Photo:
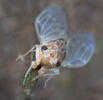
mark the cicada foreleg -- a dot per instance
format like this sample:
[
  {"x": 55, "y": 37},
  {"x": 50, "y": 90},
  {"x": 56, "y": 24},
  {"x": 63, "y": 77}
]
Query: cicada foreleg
[{"x": 21, "y": 57}]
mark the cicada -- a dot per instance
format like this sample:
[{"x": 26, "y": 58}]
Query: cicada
[{"x": 57, "y": 49}]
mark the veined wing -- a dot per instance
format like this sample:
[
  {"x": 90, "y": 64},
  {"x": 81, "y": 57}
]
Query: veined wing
[
  {"x": 79, "y": 48},
  {"x": 51, "y": 24}
]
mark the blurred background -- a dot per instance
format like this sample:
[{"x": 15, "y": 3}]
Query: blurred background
[{"x": 17, "y": 35}]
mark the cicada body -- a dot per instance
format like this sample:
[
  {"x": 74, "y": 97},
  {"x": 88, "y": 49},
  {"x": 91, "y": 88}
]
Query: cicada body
[{"x": 56, "y": 48}]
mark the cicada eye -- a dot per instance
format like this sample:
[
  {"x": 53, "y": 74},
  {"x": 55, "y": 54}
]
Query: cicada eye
[
  {"x": 44, "y": 47},
  {"x": 58, "y": 63}
]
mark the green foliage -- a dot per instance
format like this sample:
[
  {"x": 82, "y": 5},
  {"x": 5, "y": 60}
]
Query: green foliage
[
  {"x": 32, "y": 55},
  {"x": 28, "y": 79}
]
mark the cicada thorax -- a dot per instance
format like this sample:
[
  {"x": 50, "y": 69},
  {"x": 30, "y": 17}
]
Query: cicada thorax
[{"x": 53, "y": 52}]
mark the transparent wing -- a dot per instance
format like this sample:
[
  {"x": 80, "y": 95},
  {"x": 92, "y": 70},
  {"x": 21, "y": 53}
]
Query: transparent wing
[
  {"x": 80, "y": 48},
  {"x": 51, "y": 24}
]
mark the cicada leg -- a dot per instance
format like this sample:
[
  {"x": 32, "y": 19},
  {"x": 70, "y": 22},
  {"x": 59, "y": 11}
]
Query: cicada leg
[
  {"x": 55, "y": 72},
  {"x": 21, "y": 57},
  {"x": 43, "y": 72}
]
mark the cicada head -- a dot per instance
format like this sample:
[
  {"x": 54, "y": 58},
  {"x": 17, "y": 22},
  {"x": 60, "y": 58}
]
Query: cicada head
[{"x": 51, "y": 53}]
